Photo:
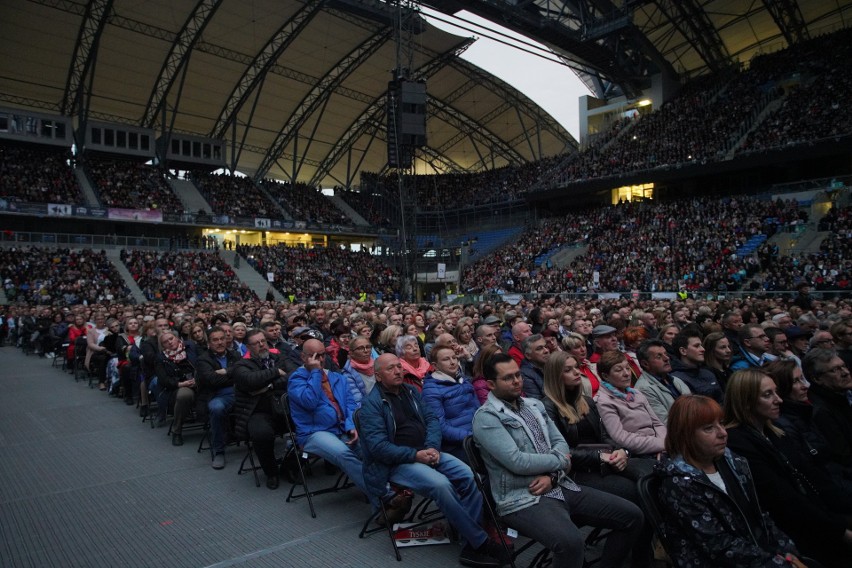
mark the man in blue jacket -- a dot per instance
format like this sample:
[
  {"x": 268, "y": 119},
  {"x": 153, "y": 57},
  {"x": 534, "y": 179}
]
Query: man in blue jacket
[
  {"x": 402, "y": 442},
  {"x": 322, "y": 410}
]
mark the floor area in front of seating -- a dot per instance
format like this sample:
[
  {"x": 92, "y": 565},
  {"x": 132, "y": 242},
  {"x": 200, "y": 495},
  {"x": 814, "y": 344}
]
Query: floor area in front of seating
[{"x": 84, "y": 483}]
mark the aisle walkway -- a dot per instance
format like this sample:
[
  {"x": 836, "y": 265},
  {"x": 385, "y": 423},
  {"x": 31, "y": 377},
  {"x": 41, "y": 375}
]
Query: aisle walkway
[{"x": 84, "y": 483}]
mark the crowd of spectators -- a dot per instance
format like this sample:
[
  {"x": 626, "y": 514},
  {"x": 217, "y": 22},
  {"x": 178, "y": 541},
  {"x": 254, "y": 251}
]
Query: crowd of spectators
[
  {"x": 442, "y": 191},
  {"x": 816, "y": 107},
  {"x": 305, "y": 203},
  {"x": 234, "y": 196},
  {"x": 371, "y": 206},
  {"x": 185, "y": 276},
  {"x": 38, "y": 174},
  {"x": 323, "y": 273},
  {"x": 702, "y": 124},
  {"x": 131, "y": 185},
  {"x": 60, "y": 277},
  {"x": 687, "y": 244}
]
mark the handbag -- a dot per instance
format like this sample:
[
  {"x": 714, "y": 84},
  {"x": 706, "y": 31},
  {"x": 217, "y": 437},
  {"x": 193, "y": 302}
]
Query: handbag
[{"x": 279, "y": 404}]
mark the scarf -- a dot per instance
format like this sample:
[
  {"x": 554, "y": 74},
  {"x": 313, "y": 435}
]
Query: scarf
[
  {"x": 363, "y": 368},
  {"x": 176, "y": 355},
  {"x": 629, "y": 396},
  {"x": 419, "y": 371}
]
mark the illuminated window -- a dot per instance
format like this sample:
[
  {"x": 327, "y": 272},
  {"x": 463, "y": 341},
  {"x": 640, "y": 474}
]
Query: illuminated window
[{"x": 633, "y": 193}]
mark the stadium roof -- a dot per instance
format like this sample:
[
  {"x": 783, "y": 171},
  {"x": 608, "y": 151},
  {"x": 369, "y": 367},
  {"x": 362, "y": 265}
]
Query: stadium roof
[
  {"x": 616, "y": 45},
  {"x": 300, "y": 82},
  {"x": 298, "y": 88}
]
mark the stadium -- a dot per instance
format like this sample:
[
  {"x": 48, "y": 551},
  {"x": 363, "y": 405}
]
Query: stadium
[{"x": 218, "y": 162}]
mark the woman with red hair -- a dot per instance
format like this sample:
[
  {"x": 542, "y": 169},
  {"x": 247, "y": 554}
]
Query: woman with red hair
[{"x": 707, "y": 499}]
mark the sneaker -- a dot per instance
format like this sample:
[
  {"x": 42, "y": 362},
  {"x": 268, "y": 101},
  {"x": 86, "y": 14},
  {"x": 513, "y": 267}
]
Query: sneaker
[
  {"x": 177, "y": 440},
  {"x": 218, "y": 461},
  {"x": 272, "y": 482},
  {"x": 479, "y": 557}
]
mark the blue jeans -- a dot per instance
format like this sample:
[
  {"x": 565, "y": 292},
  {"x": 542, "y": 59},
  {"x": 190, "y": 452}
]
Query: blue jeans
[
  {"x": 333, "y": 448},
  {"x": 219, "y": 407},
  {"x": 451, "y": 485}
]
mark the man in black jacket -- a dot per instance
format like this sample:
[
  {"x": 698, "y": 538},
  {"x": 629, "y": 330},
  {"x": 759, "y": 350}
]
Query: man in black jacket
[
  {"x": 216, "y": 389},
  {"x": 257, "y": 380}
]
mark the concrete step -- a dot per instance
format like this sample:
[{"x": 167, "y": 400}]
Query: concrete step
[
  {"x": 566, "y": 256},
  {"x": 88, "y": 192},
  {"x": 192, "y": 200},
  {"x": 248, "y": 275},
  {"x": 349, "y": 211},
  {"x": 114, "y": 255}
]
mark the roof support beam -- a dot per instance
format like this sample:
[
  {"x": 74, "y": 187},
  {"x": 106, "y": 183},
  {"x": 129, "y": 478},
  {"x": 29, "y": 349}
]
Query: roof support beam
[
  {"x": 322, "y": 90},
  {"x": 85, "y": 51},
  {"x": 692, "y": 22},
  {"x": 262, "y": 63},
  {"x": 178, "y": 57},
  {"x": 469, "y": 127},
  {"x": 516, "y": 98},
  {"x": 375, "y": 112},
  {"x": 788, "y": 17}
]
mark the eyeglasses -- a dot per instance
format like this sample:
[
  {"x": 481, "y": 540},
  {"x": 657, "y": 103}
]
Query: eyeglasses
[
  {"x": 761, "y": 336},
  {"x": 824, "y": 341},
  {"x": 362, "y": 348},
  {"x": 258, "y": 342},
  {"x": 511, "y": 378}
]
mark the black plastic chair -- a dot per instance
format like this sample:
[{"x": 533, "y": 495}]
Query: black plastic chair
[
  {"x": 420, "y": 515},
  {"x": 305, "y": 462}
]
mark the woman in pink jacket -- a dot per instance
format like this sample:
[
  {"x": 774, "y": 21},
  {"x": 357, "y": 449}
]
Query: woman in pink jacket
[{"x": 624, "y": 411}]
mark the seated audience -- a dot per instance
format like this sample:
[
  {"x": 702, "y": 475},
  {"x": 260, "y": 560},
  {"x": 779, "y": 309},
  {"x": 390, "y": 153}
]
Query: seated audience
[{"x": 711, "y": 514}]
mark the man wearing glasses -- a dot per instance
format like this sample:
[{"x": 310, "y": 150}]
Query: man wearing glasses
[
  {"x": 257, "y": 380},
  {"x": 842, "y": 333},
  {"x": 831, "y": 395},
  {"x": 753, "y": 346}
]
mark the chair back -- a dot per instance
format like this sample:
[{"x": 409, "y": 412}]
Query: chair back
[{"x": 649, "y": 493}]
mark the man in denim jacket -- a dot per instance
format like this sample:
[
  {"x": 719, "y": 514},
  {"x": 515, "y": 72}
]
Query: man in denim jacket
[
  {"x": 528, "y": 460},
  {"x": 401, "y": 441}
]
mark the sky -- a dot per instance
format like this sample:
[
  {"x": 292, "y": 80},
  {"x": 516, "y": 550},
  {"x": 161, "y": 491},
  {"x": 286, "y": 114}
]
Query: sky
[{"x": 552, "y": 86}]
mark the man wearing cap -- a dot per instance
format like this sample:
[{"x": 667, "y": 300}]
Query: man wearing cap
[
  {"x": 797, "y": 338},
  {"x": 536, "y": 355},
  {"x": 604, "y": 338}
]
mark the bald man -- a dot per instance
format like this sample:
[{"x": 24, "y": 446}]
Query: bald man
[
  {"x": 322, "y": 410},
  {"x": 402, "y": 441},
  {"x": 520, "y": 331}
]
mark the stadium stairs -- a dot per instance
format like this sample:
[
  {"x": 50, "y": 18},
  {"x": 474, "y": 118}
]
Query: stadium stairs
[
  {"x": 349, "y": 211},
  {"x": 192, "y": 200},
  {"x": 767, "y": 110},
  {"x": 807, "y": 242},
  {"x": 88, "y": 192},
  {"x": 281, "y": 209},
  {"x": 568, "y": 254},
  {"x": 248, "y": 275},
  {"x": 114, "y": 256},
  {"x": 751, "y": 245}
]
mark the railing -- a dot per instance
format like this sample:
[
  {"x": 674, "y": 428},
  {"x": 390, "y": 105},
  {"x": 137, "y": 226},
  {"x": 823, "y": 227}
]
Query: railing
[
  {"x": 514, "y": 298},
  {"x": 59, "y": 211}
]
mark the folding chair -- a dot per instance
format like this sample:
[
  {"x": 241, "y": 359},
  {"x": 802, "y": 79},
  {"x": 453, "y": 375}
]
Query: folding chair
[
  {"x": 59, "y": 357},
  {"x": 419, "y": 516},
  {"x": 305, "y": 461},
  {"x": 249, "y": 457}
]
